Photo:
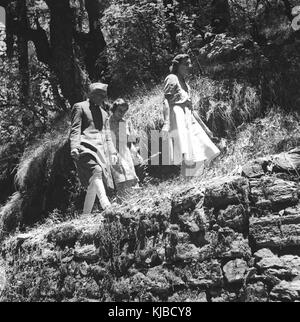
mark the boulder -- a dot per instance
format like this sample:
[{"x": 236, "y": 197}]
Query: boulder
[
  {"x": 187, "y": 296},
  {"x": 235, "y": 217},
  {"x": 291, "y": 211},
  {"x": 270, "y": 262},
  {"x": 277, "y": 267},
  {"x": 195, "y": 224},
  {"x": 230, "y": 245},
  {"x": 285, "y": 273},
  {"x": 222, "y": 192},
  {"x": 287, "y": 161},
  {"x": 235, "y": 270},
  {"x": 286, "y": 291},
  {"x": 87, "y": 253},
  {"x": 201, "y": 298},
  {"x": 257, "y": 292},
  {"x": 185, "y": 200},
  {"x": 275, "y": 231},
  {"x": 206, "y": 275},
  {"x": 263, "y": 253},
  {"x": 292, "y": 262},
  {"x": 157, "y": 281},
  {"x": 187, "y": 252},
  {"x": 272, "y": 193},
  {"x": 225, "y": 297},
  {"x": 159, "y": 272},
  {"x": 255, "y": 168}
]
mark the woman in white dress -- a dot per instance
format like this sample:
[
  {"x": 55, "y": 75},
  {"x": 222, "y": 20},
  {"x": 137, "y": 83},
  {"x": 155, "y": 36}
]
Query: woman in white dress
[{"x": 189, "y": 143}]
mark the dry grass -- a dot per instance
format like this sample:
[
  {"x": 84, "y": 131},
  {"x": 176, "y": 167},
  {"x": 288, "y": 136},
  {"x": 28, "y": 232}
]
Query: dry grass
[
  {"x": 276, "y": 132},
  {"x": 37, "y": 155},
  {"x": 10, "y": 214},
  {"x": 223, "y": 106},
  {"x": 34, "y": 173},
  {"x": 146, "y": 109}
]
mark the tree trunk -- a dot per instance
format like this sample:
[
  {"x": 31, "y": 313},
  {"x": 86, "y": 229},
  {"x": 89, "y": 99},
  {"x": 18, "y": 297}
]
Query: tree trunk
[
  {"x": 22, "y": 45},
  {"x": 71, "y": 77},
  {"x": 58, "y": 54},
  {"x": 171, "y": 25},
  {"x": 220, "y": 19},
  {"x": 96, "y": 42}
]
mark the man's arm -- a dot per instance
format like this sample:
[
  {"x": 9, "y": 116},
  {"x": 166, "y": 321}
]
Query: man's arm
[{"x": 75, "y": 134}]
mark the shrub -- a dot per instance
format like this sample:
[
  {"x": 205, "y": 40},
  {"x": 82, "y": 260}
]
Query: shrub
[{"x": 137, "y": 43}]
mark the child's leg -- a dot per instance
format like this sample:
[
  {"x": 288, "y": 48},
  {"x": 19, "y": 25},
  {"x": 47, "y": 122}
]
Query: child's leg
[
  {"x": 120, "y": 192},
  {"x": 89, "y": 199},
  {"x": 101, "y": 193}
]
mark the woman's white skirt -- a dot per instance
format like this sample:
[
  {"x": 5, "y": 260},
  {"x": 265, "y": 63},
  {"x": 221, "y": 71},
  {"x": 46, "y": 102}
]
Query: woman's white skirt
[{"x": 188, "y": 137}]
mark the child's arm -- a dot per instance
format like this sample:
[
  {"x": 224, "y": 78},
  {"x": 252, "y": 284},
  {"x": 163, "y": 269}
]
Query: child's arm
[
  {"x": 132, "y": 137},
  {"x": 133, "y": 144},
  {"x": 166, "y": 114}
]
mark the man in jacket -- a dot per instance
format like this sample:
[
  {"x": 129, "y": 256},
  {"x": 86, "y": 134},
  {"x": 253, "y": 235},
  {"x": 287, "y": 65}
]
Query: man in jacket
[{"x": 92, "y": 147}]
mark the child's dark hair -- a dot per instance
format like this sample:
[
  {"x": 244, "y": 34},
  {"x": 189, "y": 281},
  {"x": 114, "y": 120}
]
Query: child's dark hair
[
  {"x": 118, "y": 102},
  {"x": 177, "y": 60}
]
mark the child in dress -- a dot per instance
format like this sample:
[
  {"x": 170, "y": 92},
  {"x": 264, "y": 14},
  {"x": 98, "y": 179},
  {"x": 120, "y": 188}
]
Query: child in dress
[{"x": 124, "y": 137}]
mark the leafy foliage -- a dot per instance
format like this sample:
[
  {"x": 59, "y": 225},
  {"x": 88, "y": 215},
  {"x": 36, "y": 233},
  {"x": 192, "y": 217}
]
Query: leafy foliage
[{"x": 137, "y": 42}]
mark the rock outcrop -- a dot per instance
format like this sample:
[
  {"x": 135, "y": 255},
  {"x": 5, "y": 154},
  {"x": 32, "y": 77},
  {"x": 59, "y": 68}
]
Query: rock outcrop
[{"x": 230, "y": 239}]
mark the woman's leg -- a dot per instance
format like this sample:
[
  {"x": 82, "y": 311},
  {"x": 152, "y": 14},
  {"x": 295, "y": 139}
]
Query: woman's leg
[
  {"x": 180, "y": 137},
  {"x": 189, "y": 171}
]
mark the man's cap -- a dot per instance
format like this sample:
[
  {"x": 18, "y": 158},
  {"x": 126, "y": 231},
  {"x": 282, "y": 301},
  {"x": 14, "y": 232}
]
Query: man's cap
[
  {"x": 98, "y": 87},
  {"x": 180, "y": 58}
]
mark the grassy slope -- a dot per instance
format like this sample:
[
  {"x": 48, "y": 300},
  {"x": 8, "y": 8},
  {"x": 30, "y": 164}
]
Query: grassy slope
[
  {"x": 276, "y": 132},
  {"x": 271, "y": 134}
]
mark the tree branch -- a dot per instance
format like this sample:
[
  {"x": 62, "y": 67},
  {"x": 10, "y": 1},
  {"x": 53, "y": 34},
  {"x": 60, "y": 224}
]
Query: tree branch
[
  {"x": 41, "y": 43},
  {"x": 93, "y": 43},
  {"x": 288, "y": 9},
  {"x": 4, "y": 3}
]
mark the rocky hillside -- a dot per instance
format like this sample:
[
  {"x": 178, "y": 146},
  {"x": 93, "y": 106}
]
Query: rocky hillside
[{"x": 234, "y": 238}]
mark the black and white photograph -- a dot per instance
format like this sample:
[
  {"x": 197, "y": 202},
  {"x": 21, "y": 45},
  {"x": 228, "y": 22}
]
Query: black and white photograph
[{"x": 150, "y": 154}]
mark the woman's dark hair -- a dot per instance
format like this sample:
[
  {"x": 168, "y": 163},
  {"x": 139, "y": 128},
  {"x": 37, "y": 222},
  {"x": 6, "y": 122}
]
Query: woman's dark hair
[
  {"x": 118, "y": 102},
  {"x": 177, "y": 60}
]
